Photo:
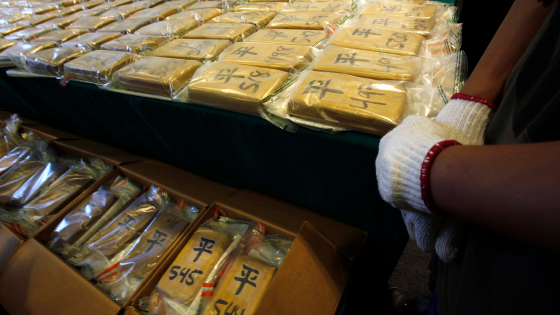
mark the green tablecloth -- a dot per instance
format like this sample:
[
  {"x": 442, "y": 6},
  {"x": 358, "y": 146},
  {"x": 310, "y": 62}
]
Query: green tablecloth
[{"x": 330, "y": 174}]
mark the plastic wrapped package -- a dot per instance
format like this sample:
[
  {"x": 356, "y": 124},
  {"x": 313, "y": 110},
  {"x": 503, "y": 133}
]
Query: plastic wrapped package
[
  {"x": 7, "y": 29},
  {"x": 68, "y": 11},
  {"x": 16, "y": 52},
  {"x": 118, "y": 3},
  {"x": 91, "y": 41},
  {"x": 178, "y": 4},
  {"x": 92, "y": 4},
  {"x": 98, "y": 66},
  {"x": 192, "y": 49},
  {"x": 262, "y": 6},
  {"x": 308, "y": 21},
  {"x": 288, "y": 58},
  {"x": 258, "y": 18},
  {"x": 449, "y": 72},
  {"x": 68, "y": 3},
  {"x": 91, "y": 23},
  {"x": 29, "y": 34},
  {"x": 289, "y": 37},
  {"x": 36, "y": 183},
  {"x": 123, "y": 12},
  {"x": 391, "y": 8},
  {"x": 234, "y": 87},
  {"x": 14, "y": 18},
  {"x": 231, "y": 31},
  {"x": 40, "y": 9},
  {"x": 149, "y": 3},
  {"x": 147, "y": 251},
  {"x": 201, "y": 259},
  {"x": 208, "y": 5},
  {"x": 16, "y": 155},
  {"x": 60, "y": 36},
  {"x": 36, "y": 19},
  {"x": 322, "y": 7},
  {"x": 155, "y": 14},
  {"x": 87, "y": 218},
  {"x": 51, "y": 61},
  {"x": 59, "y": 22},
  {"x": 6, "y": 43},
  {"x": 203, "y": 15},
  {"x": 108, "y": 246},
  {"x": 135, "y": 43},
  {"x": 420, "y": 27},
  {"x": 169, "y": 29},
  {"x": 91, "y": 12},
  {"x": 128, "y": 26}
]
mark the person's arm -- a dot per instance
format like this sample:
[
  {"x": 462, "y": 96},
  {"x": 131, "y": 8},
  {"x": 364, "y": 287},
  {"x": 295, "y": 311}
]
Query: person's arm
[{"x": 511, "y": 189}]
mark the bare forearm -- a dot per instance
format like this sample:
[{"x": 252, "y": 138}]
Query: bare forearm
[
  {"x": 511, "y": 189},
  {"x": 506, "y": 48}
]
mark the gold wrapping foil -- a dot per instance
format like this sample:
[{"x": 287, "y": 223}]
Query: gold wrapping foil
[
  {"x": 149, "y": 3},
  {"x": 234, "y": 87},
  {"x": 288, "y": 37},
  {"x": 289, "y": 58},
  {"x": 91, "y": 40},
  {"x": 206, "y": 5},
  {"x": 154, "y": 13},
  {"x": 92, "y": 4},
  {"x": 135, "y": 43},
  {"x": 421, "y": 11},
  {"x": 231, "y": 31},
  {"x": 204, "y": 15},
  {"x": 178, "y": 4},
  {"x": 29, "y": 34},
  {"x": 367, "y": 64},
  {"x": 157, "y": 75},
  {"x": 91, "y": 12},
  {"x": 68, "y": 11},
  {"x": 259, "y": 18},
  {"x": 37, "y": 19},
  {"x": 118, "y": 3},
  {"x": 24, "y": 49},
  {"x": 59, "y": 22},
  {"x": 97, "y": 66},
  {"x": 243, "y": 286},
  {"x": 42, "y": 9},
  {"x": 123, "y": 12},
  {"x": 92, "y": 23},
  {"x": 127, "y": 26},
  {"x": 10, "y": 28},
  {"x": 333, "y": 7},
  {"x": 172, "y": 28},
  {"x": 14, "y": 18},
  {"x": 51, "y": 61},
  {"x": 184, "y": 277},
  {"x": 6, "y": 43},
  {"x": 308, "y": 21},
  {"x": 375, "y": 39},
  {"x": 347, "y": 101},
  {"x": 60, "y": 36},
  {"x": 420, "y": 27},
  {"x": 192, "y": 49},
  {"x": 262, "y": 6}
]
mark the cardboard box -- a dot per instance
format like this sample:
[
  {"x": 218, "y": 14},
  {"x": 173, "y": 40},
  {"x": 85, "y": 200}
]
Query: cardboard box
[
  {"x": 314, "y": 274},
  {"x": 180, "y": 184},
  {"x": 9, "y": 244},
  {"x": 49, "y": 133}
]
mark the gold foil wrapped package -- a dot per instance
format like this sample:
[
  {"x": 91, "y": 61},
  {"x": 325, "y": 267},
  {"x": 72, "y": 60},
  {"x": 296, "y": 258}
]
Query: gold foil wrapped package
[
  {"x": 309, "y": 21},
  {"x": 118, "y": 3},
  {"x": 171, "y": 29},
  {"x": 91, "y": 23},
  {"x": 51, "y": 61},
  {"x": 288, "y": 37},
  {"x": 178, "y": 4},
  {"x": 231, "y": 31},
  {"x": 14, "y": 18},
  {"x": 60, "y": 22},
  {"x": 68, "y": 3},
  {"x": 17, "y": 175},
  {"x": 206, "y": 5},
  {"x": 68, "y": 11},
  {"x": 36, "y": 183},
  {"x": 98, "y": 66},
  {"x": 154, "y": 13},
  {"x": 135, "y": 43},
  {"x": 91, "y": 40},
  {"x": 203, "y": 15},
  {"x": 420, "y": 27},
  {"x": 157, "y": 75},
  {"x": 261, "y": 6},
  {"x": 91, "y": 12},
  {"x": 234, "y": 87},
  {"x": 123, "y": 12},
  {"x": 29, "y": 34},
  {"x": 192, "y": 49},
  {"x": 375, "y": 39},
  {"x": 322, "y": 7},
  {"x": 16, "y": 52},
  {"x": 149, "y": 3},
  {"x": 60, "y": 36},
  {"x": 128, "y": 26},
  {"x": 39, "y": 9},
  {"x": 6, "y": 43},
  {"x": 349, "y": 102},
  {"x": 288, "y": 58},
  {"x": 7, "y": 29},
  {"x": 420, "y": 11},
  {"x": 368, "y": 64},
  {"x": 92, "y": 4},
  {"x": 259, "y": 18},
  {"x": 36, "y": 19}
]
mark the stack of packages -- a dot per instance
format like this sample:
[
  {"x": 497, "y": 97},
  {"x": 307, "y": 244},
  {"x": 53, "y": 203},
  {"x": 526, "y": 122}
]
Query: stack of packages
[
  {"x": 35, "y": 184},
  {"x": 116, "y": 239},
  {"x": 225, "y": 268}
]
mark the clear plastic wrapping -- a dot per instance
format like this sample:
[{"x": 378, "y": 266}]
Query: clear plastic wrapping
[
  {"x": 68, "y": 11},
  {"x": 420, "y": 27},
  {"x": 6, "y": 43},
  {"x": 202, "y": 15},
  {"x": 29, "y": 34},
  {"x": 16, "y": 52},
  {"x": 155, "y": 14},
  {"x": 14, "y": 18},
  {"x": 60, "y": 36},
  {"x": 289, "y": 37},
  {"x": 258, "y": 18},
  {"x": 98, "y": 66},
  {"x": 170, "y": 29},
  {"x": 128, "y": 26},
  {"x": 123, "y": 12},
  {"x": 449, "y": 72},
  {"x": 40, "y": 9},
  {"x": 91, "y": 23},
  {"x": 7, "y": 29},
  {"x": 36, "y": 19},
  {"x": 178, "y": 4},
  {"x": 393, "y": 8},
  {"x": 149, "y": 3},
  {"x": 15, "y": 155},
  {"x": 322, "y": 7},
  {"x": 51, "y": 61},
  {"x": 193, "y": 49},
  {"x": 90, "y": 41},
  {"x": 59, "y": 22},
  {"x": 308, "y": 21},
  {"x": 91, "y": 12},
  {"x": 261, "y": 6},
  {"x": 36, "y": 183},
  {"x": 231, "y": 31},
  {"x": 288, "y": 58},
  {"x": 118, "y": 3},
  {"x": 135, "y": 43},
  {"x": 234, "y": 87},
  {"x": 92, "y": 4},
  {"x": 207, "y": 5},
  {"x": 156, "y": 75}
]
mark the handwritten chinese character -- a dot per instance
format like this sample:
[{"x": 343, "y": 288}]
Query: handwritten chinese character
[
  {"x": 229, "y": 73},
  {"x": 156, "y": 240},
  {"x": 246, "y": 278},
  {"x": 322, "y": 87},
  {"x": 365, "y": 32},
  {"x": 350, "y": 59},
  {"x": 205, "y": 246},
  {"x": 242, "y": 51}
]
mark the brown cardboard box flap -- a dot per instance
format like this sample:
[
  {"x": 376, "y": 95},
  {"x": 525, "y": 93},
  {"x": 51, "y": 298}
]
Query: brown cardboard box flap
[
  {"x": 131, "y": 311},
  {"x": 201, "y": 191},
  {"x": 36, "y": 281},
  {"x": 50, "y": 133},
  {"x": 9, "y": 243},
  {"x": 288, "y": 219},
  {"x": 108, "y": 154},
  {"x": 311, "y": 280}
]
